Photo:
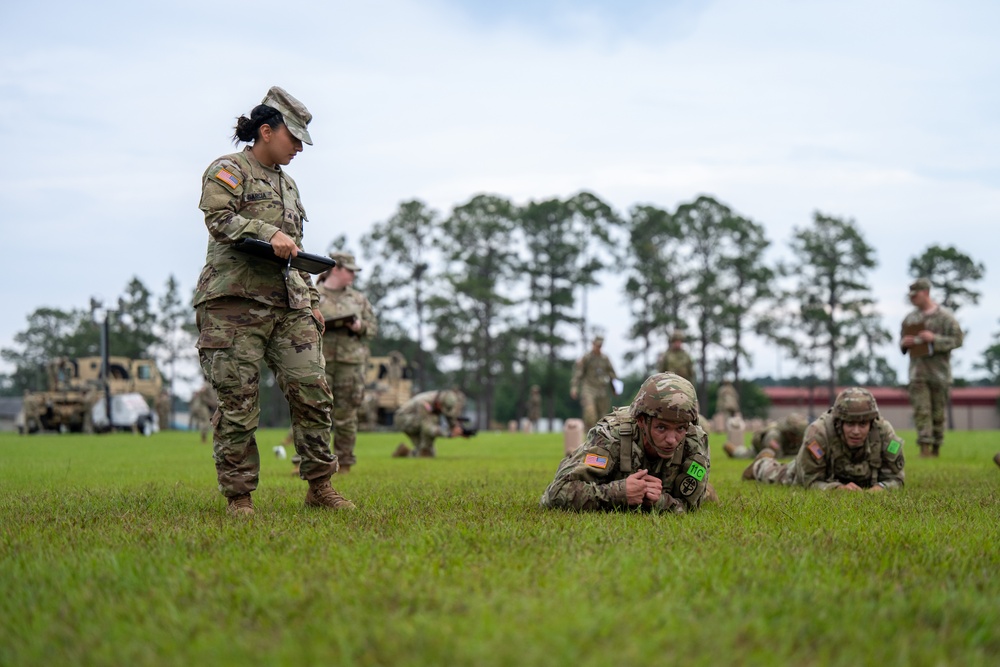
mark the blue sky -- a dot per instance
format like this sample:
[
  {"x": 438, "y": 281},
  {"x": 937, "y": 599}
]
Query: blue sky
[{"x": 881, "y": 112}]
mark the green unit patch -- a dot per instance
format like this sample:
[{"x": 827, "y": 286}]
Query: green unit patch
[
  {"x": 697, "y": 470},
  {"x": 894, "y": 447}
]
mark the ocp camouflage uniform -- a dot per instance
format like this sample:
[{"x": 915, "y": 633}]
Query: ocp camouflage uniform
[
  {"x": 727, "y": 400},
  {"x": 679, "y": 362},
  {"x": 824, "y": 461},
  {"x": 784, "y": 436},
  {"x": 248, "y": 312},
  {"x": 593, "y": 476},
  {"x": 592, "y": 375},
  {"x": 420, "y": 418},
  {"x": 930, "y": 376},
  {"x": 346, "y": 352}
]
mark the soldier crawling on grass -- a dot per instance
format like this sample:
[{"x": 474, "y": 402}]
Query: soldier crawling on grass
[
  {"x": 850, "y": 447},
  {"x": 650, "y": 454}
]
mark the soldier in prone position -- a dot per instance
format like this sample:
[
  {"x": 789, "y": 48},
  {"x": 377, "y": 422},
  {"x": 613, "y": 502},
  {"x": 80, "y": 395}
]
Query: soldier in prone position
[
  {"x": 783, "y": 437},
  {"x": 650, "y": 454},
  {"x": 850, "y": 447}
]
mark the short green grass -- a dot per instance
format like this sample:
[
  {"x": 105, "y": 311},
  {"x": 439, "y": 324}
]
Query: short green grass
[{"x": 115, "y": 550}]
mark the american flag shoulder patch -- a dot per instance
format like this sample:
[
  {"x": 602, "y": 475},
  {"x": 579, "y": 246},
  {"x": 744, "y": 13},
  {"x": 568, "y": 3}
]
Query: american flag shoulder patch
[
  {"x": 595, "y": 461},
  {"x": 815, "y": 450},
  {"x": 228, "y": 178}
]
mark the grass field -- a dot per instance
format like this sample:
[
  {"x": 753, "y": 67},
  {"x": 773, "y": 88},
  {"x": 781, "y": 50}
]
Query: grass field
[{"x": 115, "y": 550}]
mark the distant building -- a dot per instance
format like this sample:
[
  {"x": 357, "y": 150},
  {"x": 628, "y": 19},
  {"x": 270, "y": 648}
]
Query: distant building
[{"x": 973, "y": 408}]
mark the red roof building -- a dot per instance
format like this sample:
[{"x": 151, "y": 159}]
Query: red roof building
[{"x": 973, "y": 408}]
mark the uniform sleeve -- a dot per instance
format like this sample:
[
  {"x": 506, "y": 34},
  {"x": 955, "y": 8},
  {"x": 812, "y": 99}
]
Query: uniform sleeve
[
  {"x": 586, "y": 480},
  {"x": 890, "y": 474},
  {"x": 221, "y": 192},
  {"x": 689, "y": 486},
  {"x": 369, "y": 323},
  {"x": 811, "y": 468},
  {"x": 574, "y": 383},
  {"x": 950, "y": 337}
]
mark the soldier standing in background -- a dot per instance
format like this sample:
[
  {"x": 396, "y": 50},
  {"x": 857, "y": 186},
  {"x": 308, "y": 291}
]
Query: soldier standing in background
[
  {"x": 592, "y": 375},
  {"x": 850, "y": 447},
  {"x": 250, "y": 310},
  {"x": 650, "y": 454},
  {"x": 535, "y": 407},
  {"x": 929, "y": 334},
  {"x": 204, "y": 402},
  {"x": 676, "y": 359},
  {"x": 350, "y": 325}
]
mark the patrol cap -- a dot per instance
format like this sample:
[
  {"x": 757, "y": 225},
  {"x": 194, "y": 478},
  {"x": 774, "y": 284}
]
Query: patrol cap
[
  {"x": 598, "y": 340},
  {"x": 293, "y": 112},
  {"x": 920, "y": 285},
  {"x": 678, "y": 334},
  {"x": 345, "y": 259}
]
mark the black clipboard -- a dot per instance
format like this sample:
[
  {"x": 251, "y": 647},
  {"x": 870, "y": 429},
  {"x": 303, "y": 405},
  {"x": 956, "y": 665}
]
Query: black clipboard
[{"x": 304, "y": 261}]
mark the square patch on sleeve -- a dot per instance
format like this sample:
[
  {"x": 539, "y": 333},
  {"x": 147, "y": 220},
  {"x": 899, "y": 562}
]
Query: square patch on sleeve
[
  {"x": 815, "y": 450},
  {"x": 894, "y": 447},
  {"x": 595, "y": 461},
  {"x": 228, "y": 178}
]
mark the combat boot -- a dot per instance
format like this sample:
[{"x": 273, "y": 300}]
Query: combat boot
[
  {"x": 402, "y": 451},
  {"x": 426, "y": 453},
  {"x": 344, "y": 468},
  {"x": 925, "y": 451},
  {"x": 766, "y": 453},
  {"x": 730, "y": 449},
  {"x": 711, "y": 496},
  {"x": 321, "y": 494},
  {"x": 241, "y": 505},
  {"x": 996, "y": 458},
  {"x": 935, "y": 450}
]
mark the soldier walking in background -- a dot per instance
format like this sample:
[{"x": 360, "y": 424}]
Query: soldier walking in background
[
  {"x": 850, "y": 447},
  {"x": 650, "y": 454},
  {"x": 676, "y": 359},
  {"x": 249, "y": 310},
  {"x": 350, "y": 325},
  {"x": 420, "y": 419},
  {"x": 591, "y": 382},
  {"x": 929, "y": 334}
]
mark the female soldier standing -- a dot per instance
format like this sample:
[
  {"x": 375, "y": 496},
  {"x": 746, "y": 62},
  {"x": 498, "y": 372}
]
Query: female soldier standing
[{"x": 250, "y": 309}]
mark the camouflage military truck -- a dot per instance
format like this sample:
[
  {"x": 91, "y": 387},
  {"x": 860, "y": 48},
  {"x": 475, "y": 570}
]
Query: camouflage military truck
[
  {"x": 388, "y": 384},
  {"x": 75, "y": 386}
]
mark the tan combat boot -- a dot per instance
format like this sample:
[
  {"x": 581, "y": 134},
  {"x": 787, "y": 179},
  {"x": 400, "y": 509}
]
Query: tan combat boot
[
  {"x": 925, "y": 451},
  {"x": 936, "y": 450},
  {"x": 241, "y": 505},
  {"x": 344, "y": 468},
  {"x": 402, "y": 451},
  {"x": 321, "y": 494},
  {"x": 730, "y": 449}
]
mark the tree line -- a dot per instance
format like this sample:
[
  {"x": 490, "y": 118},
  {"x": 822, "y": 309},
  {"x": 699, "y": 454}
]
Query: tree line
[{"x": 492, "y": 298}]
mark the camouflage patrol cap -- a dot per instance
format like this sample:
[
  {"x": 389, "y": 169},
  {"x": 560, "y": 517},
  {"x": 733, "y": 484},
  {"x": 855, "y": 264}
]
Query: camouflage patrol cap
[
  {"x": 598, "y": 340},
  {"x": 345, "y": 259},
  {"x": 920, "y": 285},
  {"x": 293, "y": 112},
  {"x": 677, "y": 335},
  {"x": 667, "y": 396},
  {"x": 855, "y": 405}
]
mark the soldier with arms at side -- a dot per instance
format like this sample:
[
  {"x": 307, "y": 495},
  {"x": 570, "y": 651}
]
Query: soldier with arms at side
[
  {"x": 850, "y": 447},
  {"x": 676, "y": 359},
  {"x": 250, "y": 310},
  {"x": 650, "y": 454},
  {"x": 535, "y": 407},
  {"x": 591, "y": 383},
  {"x": 929, "y": 333}
]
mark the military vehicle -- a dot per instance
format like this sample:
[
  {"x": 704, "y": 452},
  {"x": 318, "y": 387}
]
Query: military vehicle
[
  {"x": 388, "y": 384},
  {"x": 75, "y": 386}
]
